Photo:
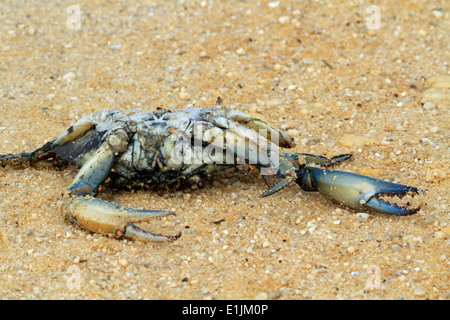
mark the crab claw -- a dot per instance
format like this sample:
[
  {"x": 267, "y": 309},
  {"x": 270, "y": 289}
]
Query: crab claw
[
  {"x": 101, "y": 216},
  {"x": 357, "y": 191}
]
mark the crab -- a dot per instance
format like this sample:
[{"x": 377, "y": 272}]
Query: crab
[{"x": 165, "y": 147}]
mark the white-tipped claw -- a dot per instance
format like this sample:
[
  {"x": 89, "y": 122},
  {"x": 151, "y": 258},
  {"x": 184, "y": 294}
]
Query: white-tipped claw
[
  {"x": 105, "y": 217},
  {"x": 134, "y": 232}
]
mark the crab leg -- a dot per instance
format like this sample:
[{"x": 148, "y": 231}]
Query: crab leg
[
  {"x": 101, "y": 216},
  {"x": 79, "y": 129},
  {"x": 356, "y": 191},
  {"x": 94, "y": 171},
  {"x": 320, "y": 160},
  {"x": 223, "y": 116},
  {"x": 285, "y": 169},
  {"x": 256, "y": 150}
]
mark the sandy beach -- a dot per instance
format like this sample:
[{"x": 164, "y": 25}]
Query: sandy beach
[{"x": 341, "y": 77}]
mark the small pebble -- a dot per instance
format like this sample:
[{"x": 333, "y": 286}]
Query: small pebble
[
  {"x": 419, "y": 291},
  {"x": 351, "y": 140},
  {"x": 69, "y": 76},
  {"x": 274, "y": 295},
  {"x": 440, "y": 235},
  {"x": 262, "y": 296},
  {"x": 274, "y": 4},
  {"x": 438, "y": 13},
  {"x": 123, "y": 262},
  {"x": 183, "y": 93},
  {"x": 362, "y": 216},
  {"x": 50, "y": 96},
  {"x": 38, "y": 239},
  {"x": 274, "y": 102},
  {"x": 434, "y": 130},
  {"x": 284, "y": 19},
  {"x": 429, "y": 105},
  {"x": 422, "y": 33}
]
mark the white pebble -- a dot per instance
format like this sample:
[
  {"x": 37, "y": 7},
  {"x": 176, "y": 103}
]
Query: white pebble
[
  {"x": 422, "y": 33},
  {"x": 429, "y": 105},
  {"x": 438, "y": 13},
  {"x": 439, "y": 235},
  {"x": 434, "y": 129},
  {"x": 283, "y": 19},
  {"x": 123, "y": 262},
  {"x": 362, "y": 216},
  {"x": 183, "y": 93},
  {"x": 262, "y": 296},
  {"x": 419, "y": 291},
  {"x": 69, "y": 76}
]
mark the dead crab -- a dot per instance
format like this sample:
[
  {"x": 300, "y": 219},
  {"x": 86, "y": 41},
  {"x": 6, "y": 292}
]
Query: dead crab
[{"x": 162, "y": 147}]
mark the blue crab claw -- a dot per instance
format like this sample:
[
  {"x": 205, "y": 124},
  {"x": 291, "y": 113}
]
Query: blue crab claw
[
  {"x": 101, "y": 216},
  {"x": 357, "y": 191}
]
